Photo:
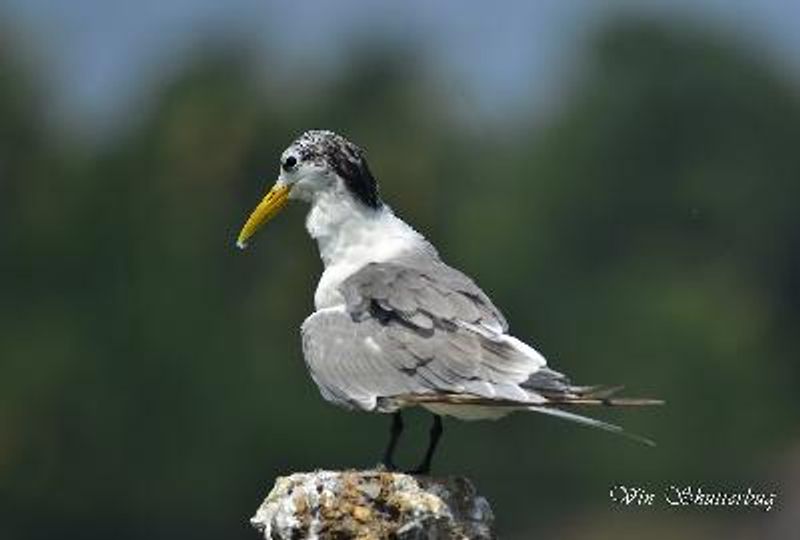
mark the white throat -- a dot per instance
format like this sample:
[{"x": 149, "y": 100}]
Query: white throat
[{"x": 351, "y": 235}]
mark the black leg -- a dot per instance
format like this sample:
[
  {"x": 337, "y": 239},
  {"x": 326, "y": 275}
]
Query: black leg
[
  {"x": 436, "y": 434},
  {"x": 394, "y": 436}
]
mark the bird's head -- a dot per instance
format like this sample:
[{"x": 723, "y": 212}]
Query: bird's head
[{"x": 317, "y": 162}]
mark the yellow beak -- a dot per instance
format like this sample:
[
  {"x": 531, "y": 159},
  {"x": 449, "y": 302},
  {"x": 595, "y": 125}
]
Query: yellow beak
[{"x": 268, "y": 208}]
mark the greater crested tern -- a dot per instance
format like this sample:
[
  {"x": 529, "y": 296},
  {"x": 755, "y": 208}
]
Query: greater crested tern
[{"x": 395, "y": 326}]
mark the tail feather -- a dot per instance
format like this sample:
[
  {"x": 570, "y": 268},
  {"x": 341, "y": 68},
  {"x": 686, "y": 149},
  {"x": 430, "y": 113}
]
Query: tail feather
[
  {"x": 591, "y": 422},
  {"x": 569, "y": 394},
  {"x": 609, "y": 402},
  {"x": 557, "y": 398}
]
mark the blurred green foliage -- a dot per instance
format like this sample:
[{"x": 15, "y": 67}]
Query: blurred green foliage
[{"x": 151, "y": 379}]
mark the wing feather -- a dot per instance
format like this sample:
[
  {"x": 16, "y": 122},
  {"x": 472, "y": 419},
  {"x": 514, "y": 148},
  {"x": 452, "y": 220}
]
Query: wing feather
[
  {"x": 414, "y": 326},
  {"x": 416, "y": 331}
]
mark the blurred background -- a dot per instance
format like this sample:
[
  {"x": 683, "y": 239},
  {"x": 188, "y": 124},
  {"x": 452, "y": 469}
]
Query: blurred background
[{"x": 622, "y": 180}]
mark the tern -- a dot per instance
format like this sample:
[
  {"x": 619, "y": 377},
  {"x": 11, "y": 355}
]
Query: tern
[{"x": 395, "y": 326}]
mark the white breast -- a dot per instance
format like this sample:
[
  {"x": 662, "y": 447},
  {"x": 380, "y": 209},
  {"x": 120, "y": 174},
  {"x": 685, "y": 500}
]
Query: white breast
[{"x": 350, "y": 236}]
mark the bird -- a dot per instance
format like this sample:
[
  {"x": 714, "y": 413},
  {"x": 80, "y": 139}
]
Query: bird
[{"x": 394, "y": 326}]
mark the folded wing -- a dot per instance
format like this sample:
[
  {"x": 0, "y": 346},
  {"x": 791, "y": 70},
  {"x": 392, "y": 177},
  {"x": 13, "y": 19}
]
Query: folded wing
[{"x": 415, "y": 326}]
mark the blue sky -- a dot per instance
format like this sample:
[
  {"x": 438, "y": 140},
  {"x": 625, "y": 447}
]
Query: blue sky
[{"x": 101, "y": 54}]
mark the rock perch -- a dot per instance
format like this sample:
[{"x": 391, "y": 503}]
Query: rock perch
[{"x": 372, "y": 505}]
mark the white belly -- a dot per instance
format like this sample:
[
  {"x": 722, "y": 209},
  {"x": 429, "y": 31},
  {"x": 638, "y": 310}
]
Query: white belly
[{"x": 469, "y": 412}]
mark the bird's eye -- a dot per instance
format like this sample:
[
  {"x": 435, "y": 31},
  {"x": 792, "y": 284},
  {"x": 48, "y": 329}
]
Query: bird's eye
[{"x": 289, "y": 163}]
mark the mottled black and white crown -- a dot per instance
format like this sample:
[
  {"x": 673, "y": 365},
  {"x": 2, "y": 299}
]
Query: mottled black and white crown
[{"x": 347, "y": 160}]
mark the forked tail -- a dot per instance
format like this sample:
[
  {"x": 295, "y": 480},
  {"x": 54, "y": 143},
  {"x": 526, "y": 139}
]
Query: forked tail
[
  {"x": 557, "y": 400},
  {"x": 567, "y": 395},
  {"x": 593, "y": 422}
]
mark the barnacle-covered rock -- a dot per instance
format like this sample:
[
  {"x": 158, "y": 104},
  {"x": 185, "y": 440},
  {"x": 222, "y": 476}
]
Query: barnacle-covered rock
[{"x": 372, "y": 505}]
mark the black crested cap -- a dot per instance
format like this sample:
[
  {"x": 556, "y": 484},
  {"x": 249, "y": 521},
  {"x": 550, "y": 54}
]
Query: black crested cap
[{"x": 345, "y": 158}]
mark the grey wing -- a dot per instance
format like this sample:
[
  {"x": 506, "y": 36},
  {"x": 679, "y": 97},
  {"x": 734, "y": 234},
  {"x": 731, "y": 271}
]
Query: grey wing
[
  {"x": 415, "y": 327},
  {"x": 347, "y": 360},
  {"x": 422, "y": 284}
]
